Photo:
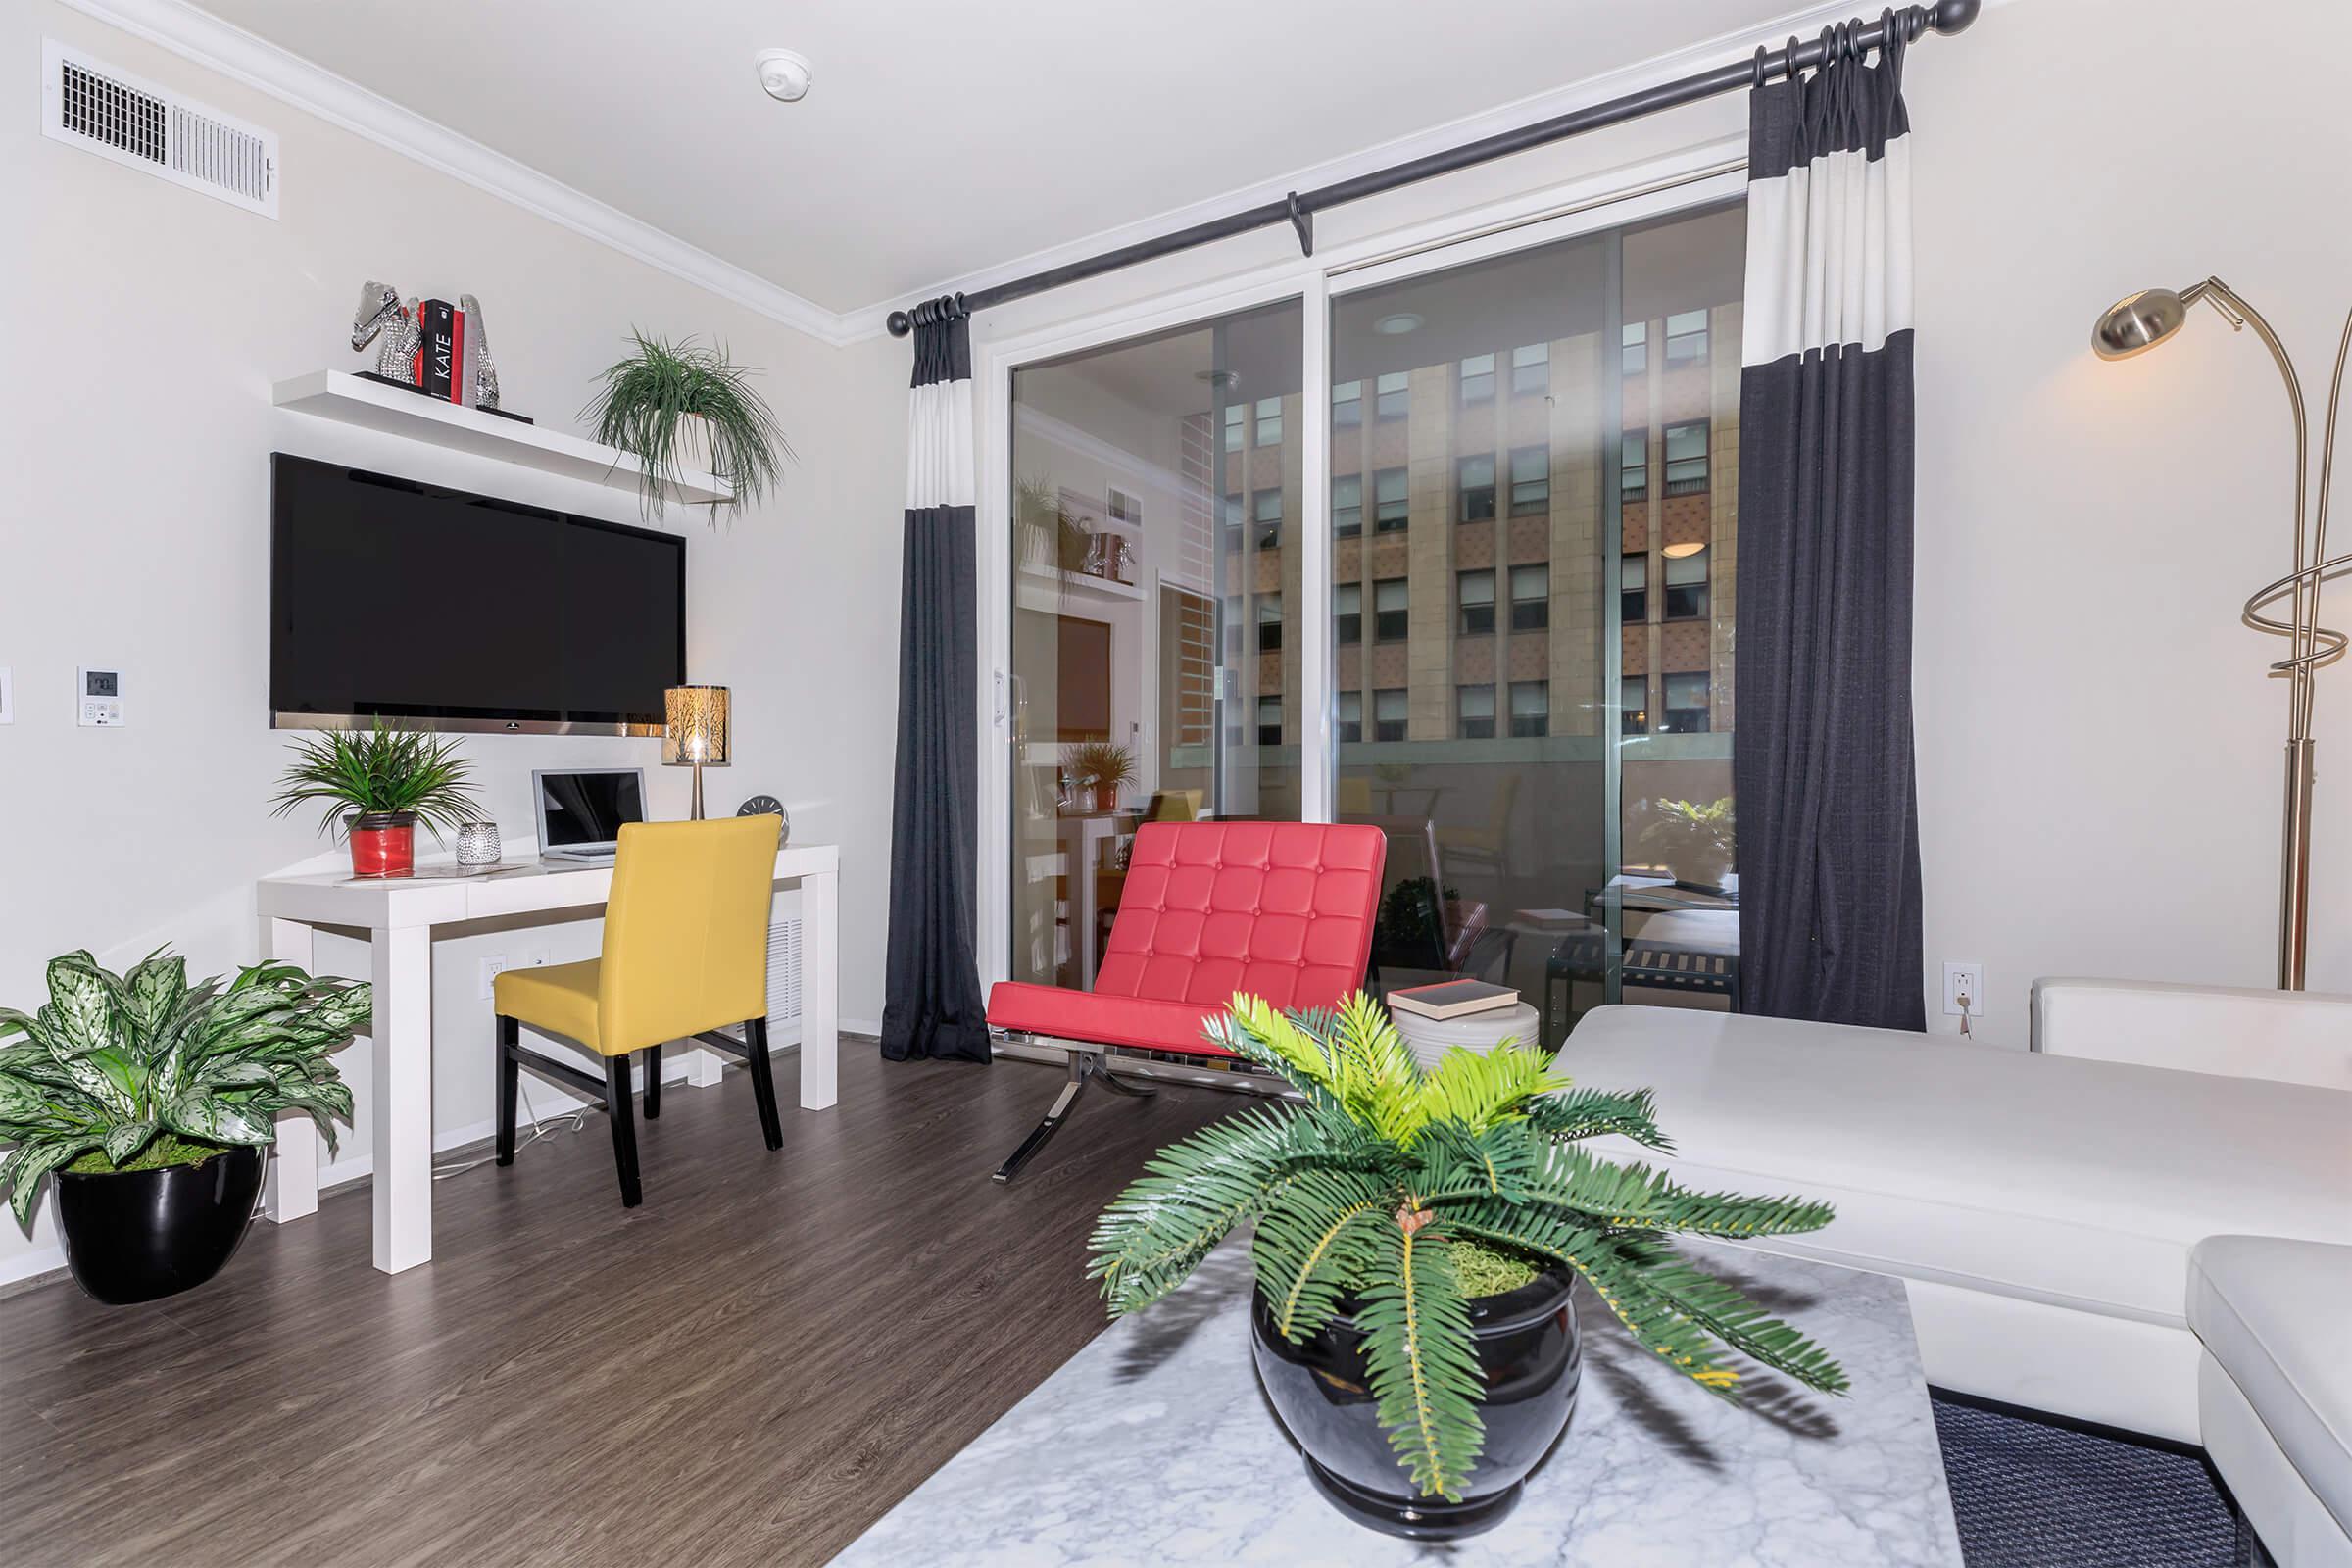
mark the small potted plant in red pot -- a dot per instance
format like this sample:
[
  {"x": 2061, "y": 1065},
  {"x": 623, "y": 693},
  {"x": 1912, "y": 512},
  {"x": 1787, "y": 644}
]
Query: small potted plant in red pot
[{"x": 377, "y": 786}]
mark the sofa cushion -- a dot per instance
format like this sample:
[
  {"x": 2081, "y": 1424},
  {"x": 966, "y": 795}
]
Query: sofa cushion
[
  {"x": 2273, "y": 1315},
  {"x": 2082, "y": 1184}
]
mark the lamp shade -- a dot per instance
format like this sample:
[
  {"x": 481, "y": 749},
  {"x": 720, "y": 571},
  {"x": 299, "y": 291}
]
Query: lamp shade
[
  {"x": 697, "y": 726},
  {"x": 2138, "y": 322}
]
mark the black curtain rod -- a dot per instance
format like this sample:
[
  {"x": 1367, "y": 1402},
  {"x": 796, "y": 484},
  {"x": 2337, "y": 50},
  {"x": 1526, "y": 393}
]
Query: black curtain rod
[{"x": 1299, "y": 208}]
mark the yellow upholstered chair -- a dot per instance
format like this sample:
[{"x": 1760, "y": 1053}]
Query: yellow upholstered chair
[{"x": 685, "y": 953}]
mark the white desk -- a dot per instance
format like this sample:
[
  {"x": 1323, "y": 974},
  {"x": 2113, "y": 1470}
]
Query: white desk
[{"x": 399, "y": 916}]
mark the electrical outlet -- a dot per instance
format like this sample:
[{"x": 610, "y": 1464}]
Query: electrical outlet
[
  {"x": 492, "y": 967},
  {"x": 1964, "y": 978}
]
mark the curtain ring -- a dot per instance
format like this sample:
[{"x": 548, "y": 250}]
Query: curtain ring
[
  {"x": 1761, "y": 54},
  {"x": 1789, "y": 59}
]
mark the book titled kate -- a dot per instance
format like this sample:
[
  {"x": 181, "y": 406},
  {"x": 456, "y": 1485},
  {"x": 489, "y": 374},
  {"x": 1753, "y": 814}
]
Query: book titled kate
[
  {"x": 1453, "y": 998},
  {"x": 439, "y": 350}
]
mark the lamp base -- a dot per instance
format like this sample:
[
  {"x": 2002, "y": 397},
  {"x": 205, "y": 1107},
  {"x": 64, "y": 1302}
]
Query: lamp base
[{"x": 698, "y": 794}]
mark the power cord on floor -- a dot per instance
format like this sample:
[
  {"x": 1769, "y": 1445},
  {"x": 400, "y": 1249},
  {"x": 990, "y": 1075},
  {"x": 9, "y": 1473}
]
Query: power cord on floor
[{"x": 539, "y": 1128}]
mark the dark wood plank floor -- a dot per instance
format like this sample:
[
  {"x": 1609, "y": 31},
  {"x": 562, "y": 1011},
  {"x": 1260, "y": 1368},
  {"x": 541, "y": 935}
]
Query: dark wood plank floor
[{"x": 750, "y": 1368}]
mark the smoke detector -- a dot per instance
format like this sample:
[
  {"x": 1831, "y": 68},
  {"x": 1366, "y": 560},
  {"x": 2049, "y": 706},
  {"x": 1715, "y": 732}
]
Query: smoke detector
[{"x": 783, "y": 74}]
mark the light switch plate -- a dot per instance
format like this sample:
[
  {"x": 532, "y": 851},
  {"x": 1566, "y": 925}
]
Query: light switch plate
[
  {"x": 98, "y": 696},
  {"x": 8, "y": 696}
]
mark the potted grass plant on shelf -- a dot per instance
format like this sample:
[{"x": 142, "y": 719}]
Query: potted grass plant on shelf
[
  {"x": 669, "y": 405},
  {"x": 1101, "y": 768},
  {"x": 378, "y": 784},
  {"x": 149, "y": 1101},
  {"x": 1418, "y": 1234}
]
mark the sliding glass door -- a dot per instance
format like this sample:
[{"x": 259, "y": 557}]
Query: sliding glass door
[
  {"x": 1522, "y": 531},
  {"x": 1154, "y": 647}
]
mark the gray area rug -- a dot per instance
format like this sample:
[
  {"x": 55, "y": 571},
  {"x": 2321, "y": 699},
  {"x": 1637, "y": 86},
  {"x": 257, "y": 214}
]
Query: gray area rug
[{"x": 2031, "y": 1495}]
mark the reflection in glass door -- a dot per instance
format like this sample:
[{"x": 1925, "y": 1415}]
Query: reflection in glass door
[
  {"x": 1154, "y": 647},
  {"x": 1533, "y": 487}
]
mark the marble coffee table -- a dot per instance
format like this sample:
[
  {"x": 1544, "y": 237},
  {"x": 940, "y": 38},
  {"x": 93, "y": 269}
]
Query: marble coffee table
[{"x": 1153, "y": 1445}]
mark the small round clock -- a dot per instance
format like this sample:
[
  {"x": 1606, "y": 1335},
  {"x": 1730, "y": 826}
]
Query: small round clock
[{"x": 772, "y": 807}]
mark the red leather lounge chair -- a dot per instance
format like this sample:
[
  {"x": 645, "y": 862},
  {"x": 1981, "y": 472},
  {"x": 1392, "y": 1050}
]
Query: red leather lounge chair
[{"x": 1282, "y": 910}]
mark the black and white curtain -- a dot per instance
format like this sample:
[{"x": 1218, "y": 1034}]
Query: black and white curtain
[
  {"x": 933, "y": 1006},
  {"x": 1828, "y": 819}
]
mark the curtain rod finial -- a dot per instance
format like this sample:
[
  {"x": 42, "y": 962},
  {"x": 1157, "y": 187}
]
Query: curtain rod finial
[
  {"x": 899, "y": 323},
  {"x": 1953, "y": 16}
]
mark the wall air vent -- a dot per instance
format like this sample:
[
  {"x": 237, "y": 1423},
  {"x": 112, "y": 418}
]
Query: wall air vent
[{"x": 92, "y": 106}]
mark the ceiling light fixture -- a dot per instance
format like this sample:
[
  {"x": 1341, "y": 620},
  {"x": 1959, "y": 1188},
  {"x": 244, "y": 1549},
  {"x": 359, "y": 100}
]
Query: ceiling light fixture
[
  {"x": 783, "y": 74},
  {"x": 1397, "y": 325}
]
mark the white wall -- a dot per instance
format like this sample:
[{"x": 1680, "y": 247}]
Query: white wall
[
  {"x": 146, "y": 324},
  {"x": 2099, "y": 747}
]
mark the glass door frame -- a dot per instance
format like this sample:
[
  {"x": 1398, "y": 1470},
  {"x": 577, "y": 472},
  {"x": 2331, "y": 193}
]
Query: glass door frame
[{"x": 1695, "y": 178}]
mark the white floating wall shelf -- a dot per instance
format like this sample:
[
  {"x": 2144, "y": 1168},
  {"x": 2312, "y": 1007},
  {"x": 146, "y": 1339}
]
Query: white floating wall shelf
[{"x": 372, "y": 405}]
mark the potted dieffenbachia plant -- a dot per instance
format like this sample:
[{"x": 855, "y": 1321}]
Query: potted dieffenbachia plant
[
  {"x": 1418, "y": 1236},
  {"x": 378, "y": 784},
  {"x": 150, "y": 1100}
]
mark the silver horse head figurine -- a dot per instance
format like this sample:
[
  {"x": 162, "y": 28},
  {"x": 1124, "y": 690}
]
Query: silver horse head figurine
[
  {"x": 383, "y": 313},
  {"x": 477, "y": 348}
]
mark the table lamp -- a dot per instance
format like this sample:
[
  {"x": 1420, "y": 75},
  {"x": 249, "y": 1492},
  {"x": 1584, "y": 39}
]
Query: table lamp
[
  {"x": 696, "y": 732},
  {"x": 2138, "y": 322}
]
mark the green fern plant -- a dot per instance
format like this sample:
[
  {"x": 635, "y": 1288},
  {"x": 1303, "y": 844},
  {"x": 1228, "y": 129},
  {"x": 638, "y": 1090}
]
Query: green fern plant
[
  {"x": 138, "y": 1070},
  {"x": 379, "y": 771},
  {"x": 1362, "y": 1194},
  {"x": 648, "y": 399}
]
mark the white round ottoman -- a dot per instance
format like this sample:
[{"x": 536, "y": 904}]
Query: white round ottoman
[{"x": 1432, "y": 1038}]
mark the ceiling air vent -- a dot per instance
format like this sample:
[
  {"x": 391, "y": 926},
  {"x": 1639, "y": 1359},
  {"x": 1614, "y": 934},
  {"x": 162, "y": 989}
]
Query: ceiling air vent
[{"x": 119, "y": 118}]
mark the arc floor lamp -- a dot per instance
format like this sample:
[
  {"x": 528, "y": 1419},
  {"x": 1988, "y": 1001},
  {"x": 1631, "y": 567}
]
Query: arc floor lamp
[{"x": 2140, "y": 323}]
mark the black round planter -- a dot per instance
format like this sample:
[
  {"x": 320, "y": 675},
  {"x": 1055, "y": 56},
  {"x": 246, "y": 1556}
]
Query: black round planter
[
  {"x": 135, "y": 1236},
  {"x": 1529, "y": 1352}
]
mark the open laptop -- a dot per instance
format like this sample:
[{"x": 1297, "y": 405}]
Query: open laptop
[{"x": 580, "y": 812}]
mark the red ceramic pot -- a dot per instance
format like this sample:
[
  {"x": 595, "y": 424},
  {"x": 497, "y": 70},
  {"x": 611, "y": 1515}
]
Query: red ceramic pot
[{"x": 383, "y": 843}]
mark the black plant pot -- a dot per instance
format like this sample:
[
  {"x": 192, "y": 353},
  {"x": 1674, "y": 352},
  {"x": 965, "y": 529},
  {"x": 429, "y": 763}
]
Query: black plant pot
[
  {"x": 1529, "y": 1353},
  {"x": 138, "y": 1235}
]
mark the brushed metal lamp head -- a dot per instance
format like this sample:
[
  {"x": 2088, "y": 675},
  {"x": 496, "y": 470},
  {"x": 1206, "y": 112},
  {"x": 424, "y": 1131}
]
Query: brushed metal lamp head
[{"x": 2138, "y": 322}]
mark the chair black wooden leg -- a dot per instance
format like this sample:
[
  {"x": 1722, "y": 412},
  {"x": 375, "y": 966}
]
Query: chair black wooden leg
[
  {"x": 619, "y": 1093},
  {"x": 509, "y": 1032},
  {"x": 652, "y": 1082},
  {"x": 763, "y": 1080},
  {"x": 1083, "y": 1066}
]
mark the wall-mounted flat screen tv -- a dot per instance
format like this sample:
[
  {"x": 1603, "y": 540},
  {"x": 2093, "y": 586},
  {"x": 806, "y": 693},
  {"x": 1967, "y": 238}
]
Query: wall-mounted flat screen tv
[{"x": 408, "y": 601}]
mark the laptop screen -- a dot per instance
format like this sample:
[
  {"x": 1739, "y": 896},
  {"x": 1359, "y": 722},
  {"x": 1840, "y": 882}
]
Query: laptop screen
[{"x": 576, "y": 810}]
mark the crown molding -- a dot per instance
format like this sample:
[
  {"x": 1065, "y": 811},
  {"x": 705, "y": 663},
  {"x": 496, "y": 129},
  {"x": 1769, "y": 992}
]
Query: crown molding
[
  {"x": 1706, "y": 55},
  {"x": 217, "y": 45}
]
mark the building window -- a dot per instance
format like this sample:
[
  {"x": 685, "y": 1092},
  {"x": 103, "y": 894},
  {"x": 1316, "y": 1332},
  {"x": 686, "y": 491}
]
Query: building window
[
  {"x": 1389, "y": 708},
  {"x": 1235, "y": 413},
  {"x": 1389, "y": 621},
  {"x": 1347, "y": 404},
  {"x": 1632, "y": 703},
  {"x": 1633, "y": 468},
  {"x": 1530, "y": 597},
  {"x": 1269, "y": 623},
  {"x": 1474, "y": 480},
  {"x": 1636, "y": 353},
  {"x": 1233, "y": 525},
  {"x": 1270, "y": 721},
  {"x": 1347, "y": 611},
  {"x": 1530, "y": 369},
  {"x": 1633, "y": 588},
  {"x": 1350, "y": 720},
  {"x": 1686, "y": 458},
  {"x": 1685, "y": 337},
  {"x": 1686, "y": 586},
  {"x": 1531, "y": 482},
  {"x": 1266, "y": 511},
  {"x": 1269, "y": 421},
  {"x": 1531, "y": 709},
  {"x": 1347, "y": 505},
  {"x": 1392, "y": 395},
  {"x": 1474, "y": 602},
  {"x": 1478, "y": 378},
  {"x": 1686, "y": 705},
  {"x": 1391, "y": 501},
  {"x": 1474, "y": 712}
]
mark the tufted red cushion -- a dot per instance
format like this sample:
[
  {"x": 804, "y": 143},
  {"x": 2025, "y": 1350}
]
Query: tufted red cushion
[{"x": 1282, "y": 910}]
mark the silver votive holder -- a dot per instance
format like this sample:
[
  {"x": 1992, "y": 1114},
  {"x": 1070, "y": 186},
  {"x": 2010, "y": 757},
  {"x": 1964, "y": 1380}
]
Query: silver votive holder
[{"x": 477, "y": 843}]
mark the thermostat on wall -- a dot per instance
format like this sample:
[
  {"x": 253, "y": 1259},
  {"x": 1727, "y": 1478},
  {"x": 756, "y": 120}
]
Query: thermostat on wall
[{"x": 98, "y": 698}]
